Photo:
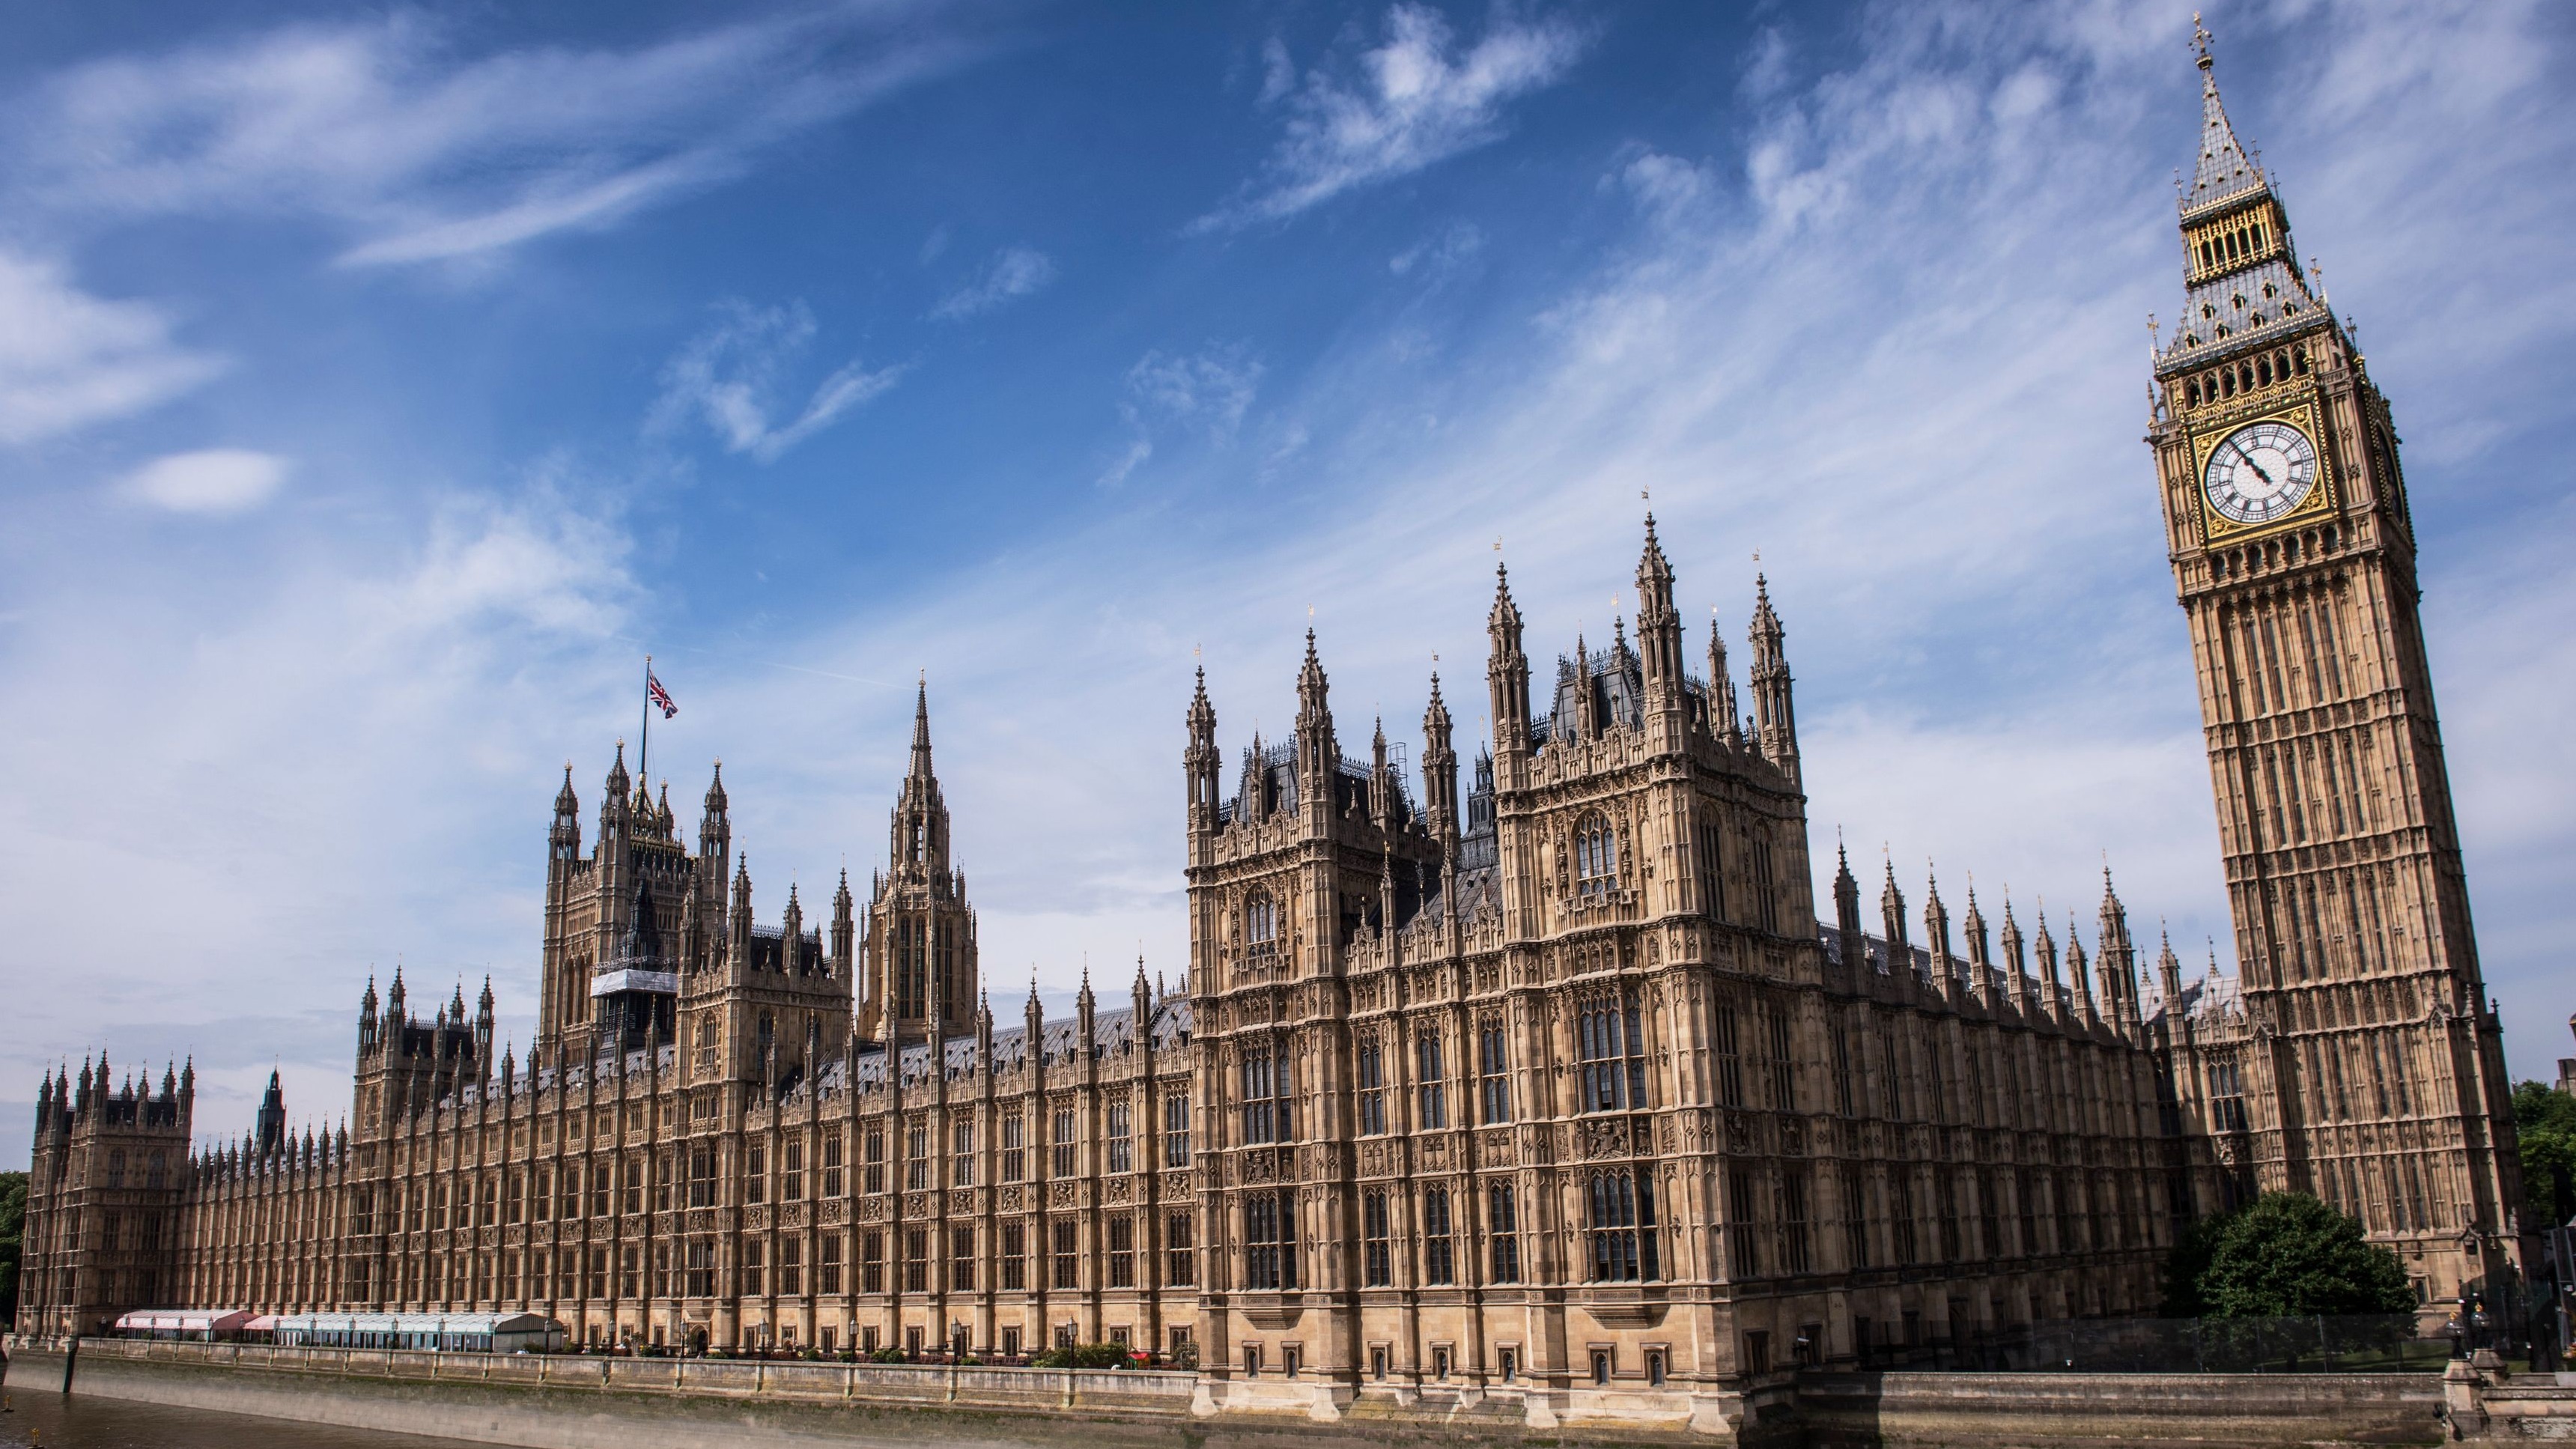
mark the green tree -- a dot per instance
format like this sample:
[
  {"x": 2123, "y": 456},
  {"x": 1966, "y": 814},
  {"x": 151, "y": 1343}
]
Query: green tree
[
  {"x": 13, "y": 1230},
  {"x": 2289, "y": 1254},
  {"x": 2545, "y": 1121}
]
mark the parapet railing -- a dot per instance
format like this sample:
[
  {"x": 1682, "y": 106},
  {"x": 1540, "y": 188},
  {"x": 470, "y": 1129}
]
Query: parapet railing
[{"x": 1152, "y": 1391}]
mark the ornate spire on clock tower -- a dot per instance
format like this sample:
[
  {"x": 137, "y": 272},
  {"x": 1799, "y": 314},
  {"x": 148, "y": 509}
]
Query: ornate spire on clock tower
[{"x": 2372, "y": 1063}]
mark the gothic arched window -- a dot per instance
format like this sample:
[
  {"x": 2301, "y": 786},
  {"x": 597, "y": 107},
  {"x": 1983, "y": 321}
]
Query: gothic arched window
[
  {"x": 1261, "y": 925},
  {"x": 1596, "y": 855}
]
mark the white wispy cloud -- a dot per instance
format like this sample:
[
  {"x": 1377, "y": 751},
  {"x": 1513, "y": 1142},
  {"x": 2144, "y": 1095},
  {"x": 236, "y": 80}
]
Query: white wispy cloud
[
  {"x": 730, "y": 378},
  {"x": 212, "y": 480},
  {"x": 1416, "y": 99},
  {"x": 69, "y": 359},
  {"x": 419, "y": 150},
  {"x": 1206, "y": 392},
  {"x": 1014, "y": 272},
  {"x": 1211, "y": 387}
]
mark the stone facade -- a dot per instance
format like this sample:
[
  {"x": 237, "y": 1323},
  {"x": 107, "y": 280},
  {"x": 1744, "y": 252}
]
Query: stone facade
[{"x": 1549, "y": 1085}]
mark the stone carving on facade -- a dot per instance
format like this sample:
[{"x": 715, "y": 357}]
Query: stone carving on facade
[{"x": 1605, "y": 1138}]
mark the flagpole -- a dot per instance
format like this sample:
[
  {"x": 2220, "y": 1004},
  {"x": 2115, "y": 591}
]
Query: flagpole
[{"x": 644, "y": 750}]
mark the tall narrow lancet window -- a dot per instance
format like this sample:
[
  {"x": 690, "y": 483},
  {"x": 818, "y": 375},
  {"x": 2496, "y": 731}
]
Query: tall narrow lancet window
[
  {"x": 1261, "y": 926},
  {"x": 1596, "y": 856}
]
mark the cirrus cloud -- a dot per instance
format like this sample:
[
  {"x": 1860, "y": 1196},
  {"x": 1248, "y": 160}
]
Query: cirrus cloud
[
  {"x": 69, "y": 359},
  {"x": 1014, "y": 272},
  {"x": 730, "y": 375},
  {"x": 1417, "y": 101},
  {"x": 418, "y": 150}
]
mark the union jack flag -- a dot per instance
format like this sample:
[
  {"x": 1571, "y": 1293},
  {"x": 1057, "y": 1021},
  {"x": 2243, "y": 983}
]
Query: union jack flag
[{"x": 661, "y": 697}]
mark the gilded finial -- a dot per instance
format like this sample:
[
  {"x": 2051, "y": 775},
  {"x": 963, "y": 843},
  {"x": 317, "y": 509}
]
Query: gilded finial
[{"x": 2200, "y": 38}]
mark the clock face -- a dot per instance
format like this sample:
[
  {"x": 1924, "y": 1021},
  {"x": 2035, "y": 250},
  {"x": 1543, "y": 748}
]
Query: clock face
[{"x": 2260, "y": 472}]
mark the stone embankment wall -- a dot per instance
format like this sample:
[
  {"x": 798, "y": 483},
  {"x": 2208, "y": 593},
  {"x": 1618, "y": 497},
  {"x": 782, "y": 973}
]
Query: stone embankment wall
[
  {"x": 2008, "y": 1411},
  {"x": 576, "y": 1402}
]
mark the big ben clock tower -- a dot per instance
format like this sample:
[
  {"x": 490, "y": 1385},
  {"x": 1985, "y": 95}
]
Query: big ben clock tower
[{"x": 2372, "y": 1065}]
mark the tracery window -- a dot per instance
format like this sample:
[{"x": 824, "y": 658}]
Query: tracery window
[
  {"x": 1176, "y": 1130},
  {"x": 1376, "y": 1257},
  {"x": 1621, "y": 1227},
  {"x": 1432, "y": 1078},
  {"x": 1596, "y": 855},
  {"x": 1492, "y": 1070},
  {"x": 1372, "y": 1086},
  {"x": 1438, "y": 1255},
  {"x": 1613, "y": 1053},
  {"x": 1261, "y": 925},
  {"x": 1180, "y": 1265},
  {"x": 1270, "y": 1241},
  {"x": 1122, "y": 1251},
  {"x": 1712, "y": 874},
  {"x": 1265, "y": 1098},
  {"x": 1015, "y": 1257},
  {"x": 1502, "y": 1228},
  {"x": 1122, "y": 1140},
  {"x": 1067, "y": 1259}
]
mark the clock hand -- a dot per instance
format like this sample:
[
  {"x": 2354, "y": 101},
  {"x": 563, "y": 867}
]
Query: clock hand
[{"x": 2250, "y": 463}]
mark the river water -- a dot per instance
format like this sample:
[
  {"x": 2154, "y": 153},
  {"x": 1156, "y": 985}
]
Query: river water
[{"x": 44, "y": 1419}]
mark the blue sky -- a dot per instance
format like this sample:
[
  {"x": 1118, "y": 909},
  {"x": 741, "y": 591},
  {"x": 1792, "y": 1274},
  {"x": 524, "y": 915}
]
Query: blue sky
[{"x": 376, "y": 387}]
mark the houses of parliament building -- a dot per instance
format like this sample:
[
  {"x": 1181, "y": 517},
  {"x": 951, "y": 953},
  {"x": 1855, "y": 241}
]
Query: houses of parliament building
[{"x": 1540, "y": 1077}]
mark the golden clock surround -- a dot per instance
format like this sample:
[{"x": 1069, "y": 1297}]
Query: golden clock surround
[{"x": 2303, "y": 414}]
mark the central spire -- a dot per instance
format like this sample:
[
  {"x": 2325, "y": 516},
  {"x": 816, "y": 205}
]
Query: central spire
[
  {"x": 921, "y": 731},
  {"x": 2225, "y": 167},
  {"x": 920, "y": 836}
]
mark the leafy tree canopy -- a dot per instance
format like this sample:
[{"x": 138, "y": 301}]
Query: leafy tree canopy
[
  {"x": 2545, "y": 1120},
  {"x": 2286, "y": 1254},
  {"x": 13, "y": 1226}
]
